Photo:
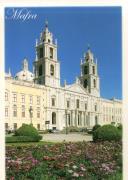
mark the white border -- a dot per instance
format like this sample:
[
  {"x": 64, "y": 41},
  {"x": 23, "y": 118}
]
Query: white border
[
  {"x": 66, "y": 3},
  {"x": 2, "y": 130},
  {"x": 125, "y": 89}
]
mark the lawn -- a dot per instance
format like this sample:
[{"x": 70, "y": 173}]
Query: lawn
[{"x": 82, "y": 160}]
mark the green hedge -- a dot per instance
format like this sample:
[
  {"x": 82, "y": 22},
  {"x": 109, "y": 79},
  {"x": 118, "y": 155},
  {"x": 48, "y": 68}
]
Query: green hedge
[
  {"x": 107, "y": 133},
  {"x": 14, "y": 139},
  {"x": 27, "y": 130},
  {"x": 120, "y": 127},
  {"x": 95, "y": 127}
]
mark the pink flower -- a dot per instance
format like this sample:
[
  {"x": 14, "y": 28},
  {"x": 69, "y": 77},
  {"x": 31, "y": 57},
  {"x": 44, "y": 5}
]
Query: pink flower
[
  {"x": 83, "y": 169},
  {"x": 12, "y": 178},
  {"x": 94, "y": 161}
]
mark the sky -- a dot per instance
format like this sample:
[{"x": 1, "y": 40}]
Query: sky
[{"x": 74, "y": 28}]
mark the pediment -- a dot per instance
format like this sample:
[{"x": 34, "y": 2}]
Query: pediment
[{"x": 78, "y": 88}]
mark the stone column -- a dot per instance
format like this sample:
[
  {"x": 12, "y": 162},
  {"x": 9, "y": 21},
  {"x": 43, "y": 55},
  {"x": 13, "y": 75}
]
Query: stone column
[
  {"x": 76, "y": 118},
  {"x": 71, "y": 118},
  {"x": 82, "y": 117}
]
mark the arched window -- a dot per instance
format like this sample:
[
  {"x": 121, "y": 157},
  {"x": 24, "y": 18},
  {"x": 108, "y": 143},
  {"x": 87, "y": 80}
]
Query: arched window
[
  {"x": 53, "y": 118},
  {"x": 53, "y": 101},
  {"x": 40, "y": 70},
  {"x": 52, "y": 70},
  {"x": 77, "y": 103},
  {"x": 41, "y": 52},
  {"x": 85, "y": 69},
  {"x": 51, "y": 53},
  {"x": 93, "y": 69},
  {"x": 94, "y": 82},
  {"x": 95, "y": 107},
  {"x": 85, "y": 83}
]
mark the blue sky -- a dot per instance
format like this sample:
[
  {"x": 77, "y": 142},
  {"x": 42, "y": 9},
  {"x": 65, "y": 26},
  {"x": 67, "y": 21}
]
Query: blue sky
[{"x": 74, "y": 29}]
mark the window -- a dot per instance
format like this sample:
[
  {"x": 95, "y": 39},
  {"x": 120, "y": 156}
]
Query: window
[
  {"x": 31, "y": 99},
  {"x": 6, "y": 112},
  {"x": 38, "y": 126},
  {"x": 23, "y": 111},
  {"x": 41, "y": 52},
  {"x": 14, "y": 111},
  {"x": 15, "y": 126},
  {"x": 52, "y": 70},
  {"x": 68, "y": 104},
  {"x": 85, "y": 83},
  {"x": 94, "y": 83},
  {"x": 38, "y": 100},
  {"x": 14, "y": 97},
  {"x": 31, "y": 112},
  {"x": 49, "y": 40},
  {"x": 23, "y": 98},
  {"x": 77, "y": 103},
  {"x": 53, "y": 118},
  {"x": 6, "y": 96},
  {"x": 93, "y": 69},
  {"x": 51, "y": 53},
  {"x": 95, "y": 107},
  {"x": 38, "y": 112},
  {"x": 53, "y": 101},
  {"x": 85, "y": 69},
  {"x": 68, "y": 119},
  {"x": 40, "y": 70},
  {"x": 85, "y": 106},
  {"x": 6, "y": 126}
]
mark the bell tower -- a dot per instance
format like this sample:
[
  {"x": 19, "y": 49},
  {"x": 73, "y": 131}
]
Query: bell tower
[
  {"x": 46, "y": 64},
  {"x": 89, "y": 75}
]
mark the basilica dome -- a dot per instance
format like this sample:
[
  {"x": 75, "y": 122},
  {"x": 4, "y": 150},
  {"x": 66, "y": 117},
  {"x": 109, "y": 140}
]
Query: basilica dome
[{"x": 25, "y": 74}]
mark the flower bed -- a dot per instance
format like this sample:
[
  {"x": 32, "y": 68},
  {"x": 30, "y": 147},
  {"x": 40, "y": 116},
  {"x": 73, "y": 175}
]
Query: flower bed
[{"x": 81, "y": 160}]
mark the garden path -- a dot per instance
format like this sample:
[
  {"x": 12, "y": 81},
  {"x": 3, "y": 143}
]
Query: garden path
[{"x": 73, "y": 137}]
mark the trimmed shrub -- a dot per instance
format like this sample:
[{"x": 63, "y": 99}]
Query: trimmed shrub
[
  {"x": 95, "y": 127},
  {"x": 14, "y": 139},
  {"x": 120, "y": 127},
  {"x": 27, "y": 130},
  {"x": 107, "y": 133}
]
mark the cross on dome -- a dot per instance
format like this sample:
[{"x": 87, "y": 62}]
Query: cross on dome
[{"x": 46, "y": 23}]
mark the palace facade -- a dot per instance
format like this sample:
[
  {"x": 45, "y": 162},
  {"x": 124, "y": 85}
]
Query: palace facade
[{"x": 40, "y": 99}]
